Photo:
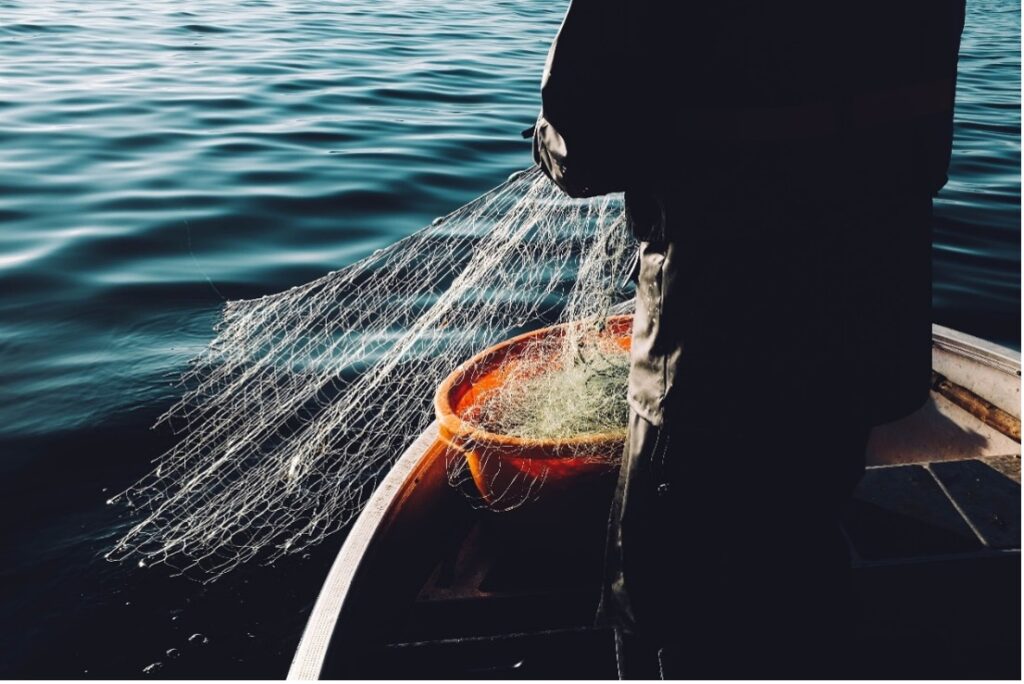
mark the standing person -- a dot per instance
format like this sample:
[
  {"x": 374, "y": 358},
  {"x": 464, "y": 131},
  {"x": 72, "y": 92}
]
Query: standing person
[{"x": 779, "y": 162}]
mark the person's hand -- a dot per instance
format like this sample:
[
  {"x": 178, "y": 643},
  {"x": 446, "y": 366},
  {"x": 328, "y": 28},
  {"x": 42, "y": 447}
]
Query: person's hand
[{"x": 531, "y": 132}]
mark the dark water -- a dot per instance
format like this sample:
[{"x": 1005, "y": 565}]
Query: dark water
[{"x": 158, "y": 158}]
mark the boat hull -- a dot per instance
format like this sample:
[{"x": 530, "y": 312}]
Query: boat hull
[{"x": 425, "y": 586}]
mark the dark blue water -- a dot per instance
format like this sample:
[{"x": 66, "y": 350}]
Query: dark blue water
[{"x": 157, "y": 158}]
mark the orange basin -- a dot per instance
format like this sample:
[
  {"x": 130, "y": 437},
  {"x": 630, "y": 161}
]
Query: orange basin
[{"x": 509, "y": 471}]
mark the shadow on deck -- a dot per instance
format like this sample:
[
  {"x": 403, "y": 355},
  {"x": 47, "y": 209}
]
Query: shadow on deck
[{"x": 937, "y": 570}]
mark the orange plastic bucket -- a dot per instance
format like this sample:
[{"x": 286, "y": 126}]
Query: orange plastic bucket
[{"x": 508, "y": 469}]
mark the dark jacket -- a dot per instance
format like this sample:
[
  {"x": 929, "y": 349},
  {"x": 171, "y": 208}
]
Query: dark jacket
[{"x": 782, "y": 154}]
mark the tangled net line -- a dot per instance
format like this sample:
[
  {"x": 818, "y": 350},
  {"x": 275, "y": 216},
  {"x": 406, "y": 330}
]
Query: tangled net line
[{"x": 305, "y": 398}]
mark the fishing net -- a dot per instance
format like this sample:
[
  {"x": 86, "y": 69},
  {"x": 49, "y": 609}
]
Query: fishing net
[
  {"x": 305, "y": 398},
  {"x": 560, "y": 389}
]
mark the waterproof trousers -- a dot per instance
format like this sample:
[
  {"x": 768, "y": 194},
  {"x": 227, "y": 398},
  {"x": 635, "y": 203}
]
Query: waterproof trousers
[
  {"x": 766, "y": 344},
  {"x": 734, "y": 568}
]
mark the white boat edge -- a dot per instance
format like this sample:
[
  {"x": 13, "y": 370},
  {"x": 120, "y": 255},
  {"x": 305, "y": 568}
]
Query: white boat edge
[{"x": 316, "y": 638}]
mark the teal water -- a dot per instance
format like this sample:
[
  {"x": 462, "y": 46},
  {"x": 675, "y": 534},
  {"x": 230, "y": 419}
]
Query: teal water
[
  {"x": 976, "y": 255},
  {"x": 159, "y": 158}
]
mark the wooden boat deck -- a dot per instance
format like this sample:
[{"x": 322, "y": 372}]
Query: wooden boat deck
[{"x": 937, "y": 567}]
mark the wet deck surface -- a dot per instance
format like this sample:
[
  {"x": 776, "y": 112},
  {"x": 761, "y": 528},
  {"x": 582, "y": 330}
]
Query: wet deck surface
[
  {"x": 937, "y": 568},
  {"x": 934, "y": 509}
]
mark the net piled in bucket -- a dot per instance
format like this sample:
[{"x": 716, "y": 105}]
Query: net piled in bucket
[
  {"x": 560, "y": 390},
  {"x": 541, "y": 413}
]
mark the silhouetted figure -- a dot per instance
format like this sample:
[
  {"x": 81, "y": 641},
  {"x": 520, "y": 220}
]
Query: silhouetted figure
[{"x": 779, "y": 162}]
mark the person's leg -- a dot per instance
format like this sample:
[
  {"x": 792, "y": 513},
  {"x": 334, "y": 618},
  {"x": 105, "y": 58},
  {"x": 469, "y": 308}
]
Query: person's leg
[
  {"x": 741, "y": 569},
  {"x": 733, "y": 560}
]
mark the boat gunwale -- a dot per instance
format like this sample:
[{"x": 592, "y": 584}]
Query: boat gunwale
[
  {"x": 311, "y": 653},
  {"x": 976, "y": 349}
]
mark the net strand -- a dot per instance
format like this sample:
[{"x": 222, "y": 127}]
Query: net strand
[{"x": 304, "y": 399}]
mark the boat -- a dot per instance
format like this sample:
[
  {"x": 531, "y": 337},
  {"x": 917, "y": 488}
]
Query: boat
[{"x": 428, "y": 586}]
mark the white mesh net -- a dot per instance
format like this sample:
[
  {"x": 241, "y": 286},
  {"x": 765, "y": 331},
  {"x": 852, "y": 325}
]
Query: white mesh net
[
  {"x": 560, "y": 389},
  {"x": 305, "y": 398}
]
